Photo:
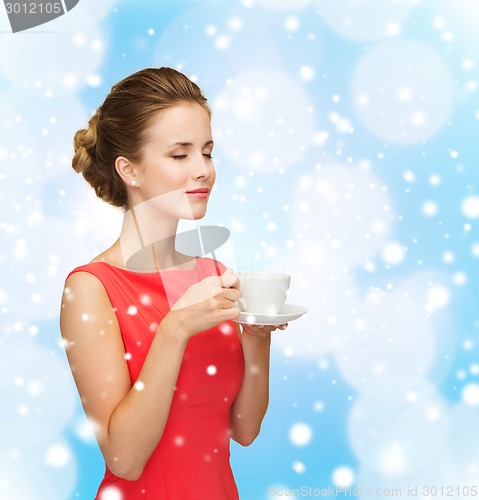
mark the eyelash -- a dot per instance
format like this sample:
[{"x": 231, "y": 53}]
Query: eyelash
[{"x": 182, "y": 157}]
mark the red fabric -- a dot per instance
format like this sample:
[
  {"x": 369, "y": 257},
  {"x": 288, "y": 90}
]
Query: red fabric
[{"x": 191, "y": 461}]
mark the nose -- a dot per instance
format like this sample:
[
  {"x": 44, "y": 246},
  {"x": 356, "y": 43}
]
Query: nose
[{"x": 203, "y": 168}]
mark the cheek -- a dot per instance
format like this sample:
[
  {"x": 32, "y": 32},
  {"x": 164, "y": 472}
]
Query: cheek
[{"x": 172, "y": 180}]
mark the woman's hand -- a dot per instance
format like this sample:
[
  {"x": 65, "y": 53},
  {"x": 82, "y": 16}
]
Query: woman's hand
[
  {"x": 261, "y": 331},
  {"x": 207, "y": 303},
  {"x": 206, "y": 289}
]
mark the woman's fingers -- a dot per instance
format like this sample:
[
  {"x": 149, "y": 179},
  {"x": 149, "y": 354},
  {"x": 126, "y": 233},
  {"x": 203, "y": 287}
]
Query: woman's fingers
[
  {"x": 228, "y": 279},
  {"x": 231, "y": 294},
  {"x": 225, "y": 303},
  {"x": 261, "y": 329}
]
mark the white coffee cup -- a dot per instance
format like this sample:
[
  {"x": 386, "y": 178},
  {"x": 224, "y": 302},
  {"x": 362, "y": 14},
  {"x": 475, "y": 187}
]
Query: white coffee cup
[{"x": 262, "y": 292}]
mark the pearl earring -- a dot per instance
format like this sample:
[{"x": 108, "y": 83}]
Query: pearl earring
[{"x": 134, "y": 183}]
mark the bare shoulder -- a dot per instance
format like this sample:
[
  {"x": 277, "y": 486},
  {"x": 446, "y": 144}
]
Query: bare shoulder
[
  {"x": 82, "y": 284},
  {"x": 84, "y": 295},
  {"x": 84, "y": 303},
  {"x": 87, "y": 282}
]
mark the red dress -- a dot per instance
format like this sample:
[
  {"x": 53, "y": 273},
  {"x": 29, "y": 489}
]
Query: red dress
[{"x": 191, "y": 461}]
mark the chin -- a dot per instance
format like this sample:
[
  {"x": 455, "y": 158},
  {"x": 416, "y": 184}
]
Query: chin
[
  {"x": 194, "y": 216},
  {"x": 199, "y": 216}
]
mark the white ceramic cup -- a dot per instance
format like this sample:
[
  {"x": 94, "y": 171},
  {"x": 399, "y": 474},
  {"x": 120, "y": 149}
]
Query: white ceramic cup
[{"x": 262, "y": 292}]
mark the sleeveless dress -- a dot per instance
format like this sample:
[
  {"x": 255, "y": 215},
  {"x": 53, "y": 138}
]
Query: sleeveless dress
[{"x": 191, "y": 461}]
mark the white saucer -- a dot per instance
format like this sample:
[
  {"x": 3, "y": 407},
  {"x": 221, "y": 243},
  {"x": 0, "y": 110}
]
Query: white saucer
[{"x": 289, "y": 312}]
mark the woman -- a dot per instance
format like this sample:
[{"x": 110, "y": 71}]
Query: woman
[{"x": 163, "y": 372}]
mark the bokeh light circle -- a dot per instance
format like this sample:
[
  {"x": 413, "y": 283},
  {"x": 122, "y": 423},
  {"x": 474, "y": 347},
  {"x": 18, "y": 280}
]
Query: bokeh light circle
[
  {"x": 366, "y": 20},
  {"x": 393, "y": 338},
  {"x": 36, "y": 119},
  {"x": 300, "y": 434},
  {"x": 111, "y": 493},
  {"x": 345, "y": 209},
  {"x": 263, "y": 120},
  {"x": 393, "y": 253},
  {"x": 393, "y": 435},
  {"x": 33, "y": 416},
  {"x": 402, "y": 91},
  {"x": 77, "y": 53},
  {"x": 470, "y": 207},
  {"x": 470, "y": 394},
  {"x": 224, "y": 48},
  {"x": 25, "y": 475},
  {"x": 343, "y": 476}
]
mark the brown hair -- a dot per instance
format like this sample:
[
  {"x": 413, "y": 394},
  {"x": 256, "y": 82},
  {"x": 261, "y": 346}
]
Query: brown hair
[{"x": 119, "y": 126}]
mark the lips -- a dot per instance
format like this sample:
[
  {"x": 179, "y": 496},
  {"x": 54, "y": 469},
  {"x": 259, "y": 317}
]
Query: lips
[{"x": 201, "y": 190}]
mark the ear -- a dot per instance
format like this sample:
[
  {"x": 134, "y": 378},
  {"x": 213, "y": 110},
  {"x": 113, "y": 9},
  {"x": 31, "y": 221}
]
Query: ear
[{"x": 126, "y": 171}]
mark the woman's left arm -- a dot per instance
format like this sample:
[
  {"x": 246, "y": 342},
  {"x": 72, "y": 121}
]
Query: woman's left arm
[{"x": 251, "y": 403}]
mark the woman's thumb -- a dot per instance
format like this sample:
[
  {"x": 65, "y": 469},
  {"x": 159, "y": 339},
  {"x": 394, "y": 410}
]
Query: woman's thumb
[{"x": 228, "y": 278}]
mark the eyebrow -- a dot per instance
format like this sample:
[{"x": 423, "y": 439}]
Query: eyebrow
[{"x": 187, "y": 144}]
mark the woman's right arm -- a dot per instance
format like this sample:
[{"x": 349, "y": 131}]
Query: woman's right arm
[{"x": 129, "y": 421}]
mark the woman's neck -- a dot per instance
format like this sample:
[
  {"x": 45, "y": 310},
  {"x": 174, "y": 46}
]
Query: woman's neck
[{"x": 147, "y": 240}]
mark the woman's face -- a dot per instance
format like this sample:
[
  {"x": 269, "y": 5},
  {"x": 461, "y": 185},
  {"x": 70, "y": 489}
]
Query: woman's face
[{"x": 177, "y": 160}]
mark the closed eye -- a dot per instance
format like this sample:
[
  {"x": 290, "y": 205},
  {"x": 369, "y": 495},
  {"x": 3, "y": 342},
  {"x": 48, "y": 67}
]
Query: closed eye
[{"x": 182, "y": 157}]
